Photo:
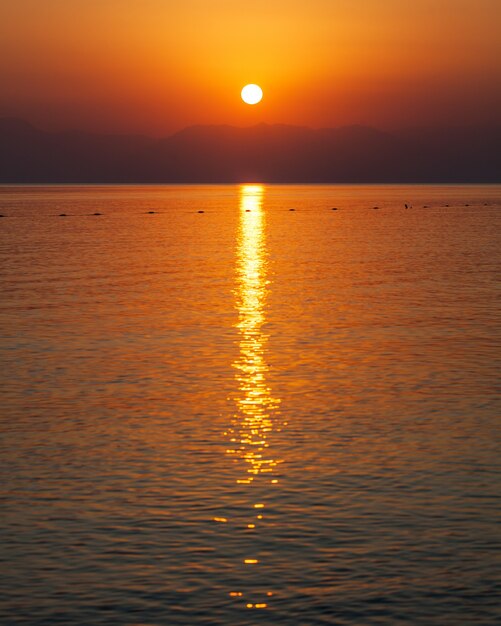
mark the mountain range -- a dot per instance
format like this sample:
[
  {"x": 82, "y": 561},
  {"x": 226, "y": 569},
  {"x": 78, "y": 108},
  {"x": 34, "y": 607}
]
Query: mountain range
[{"x": 264, "y": 153}]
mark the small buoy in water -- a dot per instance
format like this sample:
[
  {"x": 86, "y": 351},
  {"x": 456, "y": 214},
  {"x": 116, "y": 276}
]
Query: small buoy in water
[
  {"x": 334, "y": 208},
  {"x": 96, "y": 214},
  {"x": 406, "y": 206},
  {"x": 446, "y": 205},
  {"x": 467, "y": 205},
  {"x": 375, "y": 207},
  {"x": 425, "y": 206},
  {"x": 62, "y": 215},
  {"x": 292, "y": 209},
  {"x": 247, "y": 210},
  {"x": 201, "y": 211},
  {"x": 151, "y": 212}
]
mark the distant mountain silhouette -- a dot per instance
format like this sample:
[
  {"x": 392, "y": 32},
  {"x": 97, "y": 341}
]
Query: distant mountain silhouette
[
  {"x": 265, "y": 153},
  {"x": 31, "y": 155}
]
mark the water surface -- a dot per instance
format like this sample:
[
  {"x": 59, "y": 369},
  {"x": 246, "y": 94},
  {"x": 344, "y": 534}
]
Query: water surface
[{"x": 220, "y": 411}]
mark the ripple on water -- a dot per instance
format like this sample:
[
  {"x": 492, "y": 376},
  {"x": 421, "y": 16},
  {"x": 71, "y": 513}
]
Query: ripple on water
[{"x": 257, "y": 419}]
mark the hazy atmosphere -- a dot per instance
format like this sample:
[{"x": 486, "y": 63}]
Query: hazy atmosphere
[{"x": 154, "y": 66}]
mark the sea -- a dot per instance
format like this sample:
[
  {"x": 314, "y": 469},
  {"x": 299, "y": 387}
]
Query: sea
[{"x": 235, "y": 405}]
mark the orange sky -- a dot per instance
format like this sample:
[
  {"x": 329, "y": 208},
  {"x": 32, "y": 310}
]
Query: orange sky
[{"x": 155, "y": 66}]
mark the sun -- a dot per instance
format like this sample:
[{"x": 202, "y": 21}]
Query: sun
[{"x": 252, "y": 94}]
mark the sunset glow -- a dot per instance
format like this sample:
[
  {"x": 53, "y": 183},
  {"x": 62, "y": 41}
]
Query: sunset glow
[{"x": 157, "y": 67}]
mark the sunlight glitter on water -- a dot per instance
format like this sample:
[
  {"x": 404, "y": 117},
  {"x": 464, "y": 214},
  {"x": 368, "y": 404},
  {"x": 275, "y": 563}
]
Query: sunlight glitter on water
[
  {"x": 253, "y": 421},
  {"x": 256, "y": 407}
]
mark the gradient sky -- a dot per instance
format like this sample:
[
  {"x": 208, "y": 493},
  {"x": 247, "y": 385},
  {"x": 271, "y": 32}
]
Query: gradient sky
[{"x": 156, "y": 66}]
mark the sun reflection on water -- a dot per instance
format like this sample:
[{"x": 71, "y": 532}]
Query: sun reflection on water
[
  {"x": 253, "y": 422},
  {"x": 256, "y": 416}
]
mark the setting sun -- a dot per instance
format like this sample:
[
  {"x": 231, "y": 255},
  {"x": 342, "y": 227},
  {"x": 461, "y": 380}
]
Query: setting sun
[{"x": 252, "y": 94}]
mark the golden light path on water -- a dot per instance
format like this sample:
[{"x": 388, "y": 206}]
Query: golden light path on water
[{"x": 256, "y": 409}]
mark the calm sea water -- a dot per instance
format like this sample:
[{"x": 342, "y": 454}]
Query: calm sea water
[{"x": 250, "y": 415}]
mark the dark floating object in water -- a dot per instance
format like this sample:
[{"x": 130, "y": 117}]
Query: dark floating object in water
[
  {"x": 425, "y": 206},
  {"x": 151, "y": 212},
  {"x": 446, "y": 205},
  {"x": 247, "y": 210},
  {"x": 97, "y": 214},
  {"x": 292, "y": 209},
  {"x": 2, "y": 215},
  {"x": 375, "y": 207},
  {"x": 405, "y": 205},
  {"x": 467, "y": 205},
  {"x": 201, "y": 211},
  {"x": 62, "y": 215},
  {"x": 334, "y": 208}
]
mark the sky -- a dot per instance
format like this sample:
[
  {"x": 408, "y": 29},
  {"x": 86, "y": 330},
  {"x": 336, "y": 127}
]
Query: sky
[{"x": 157, "y": 66}]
